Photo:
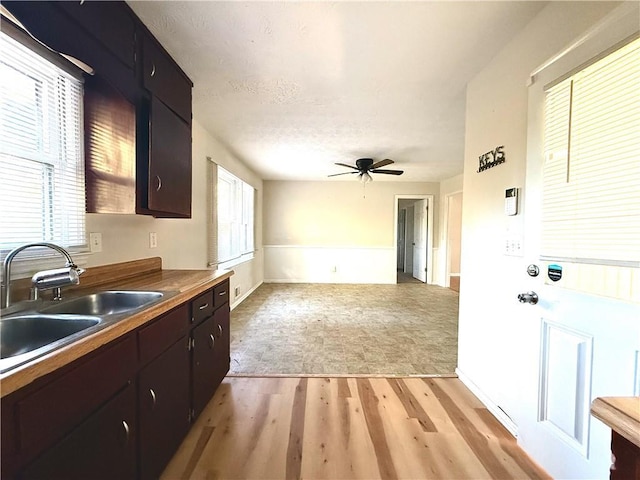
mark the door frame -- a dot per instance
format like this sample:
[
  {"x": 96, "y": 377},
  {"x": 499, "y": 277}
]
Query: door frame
[
  {"x": 445, "y": 228},
  {"x": 430, "y": 201}
]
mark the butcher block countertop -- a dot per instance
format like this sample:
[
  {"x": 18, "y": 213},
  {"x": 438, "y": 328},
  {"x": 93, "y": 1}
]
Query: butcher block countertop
[
  {"x": 622, "y": 414},
  {"x": 146, "y": 274}
]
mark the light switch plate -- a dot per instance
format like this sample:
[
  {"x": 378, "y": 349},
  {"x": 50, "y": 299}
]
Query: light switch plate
[{"x": 153, "y": 239}]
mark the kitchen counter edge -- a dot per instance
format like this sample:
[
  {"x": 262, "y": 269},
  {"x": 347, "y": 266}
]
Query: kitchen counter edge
[
  {"x": 621, "y": 414},
  {"x": 187, "y": 283}
]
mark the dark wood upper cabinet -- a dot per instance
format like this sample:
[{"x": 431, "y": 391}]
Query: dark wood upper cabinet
[
  {"x": 133, "y": 75},
  {"x": 102, "y": 35},
  {"x": 163, "y": 78},
  {"x": 111, "y": 23},
  {"x": 165, "y": 175}
]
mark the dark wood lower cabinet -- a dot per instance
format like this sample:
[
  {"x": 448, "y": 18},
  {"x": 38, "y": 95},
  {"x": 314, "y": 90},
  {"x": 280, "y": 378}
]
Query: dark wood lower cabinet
[
  {"x": 626, "y": 458},
  {"x": 121, "y": 411},
  {"x": 210, "y": 361},
  {"x": 163, "y": 399},
  {"x": 104, "y": 445}
]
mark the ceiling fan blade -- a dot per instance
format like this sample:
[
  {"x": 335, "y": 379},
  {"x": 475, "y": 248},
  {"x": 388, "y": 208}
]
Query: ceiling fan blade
[
  {"x": 388, "y": 172},
  {"x": 345, "y": 165},
  {"x": 381, "y": 163},
  {"x": 345, "y": 173}
]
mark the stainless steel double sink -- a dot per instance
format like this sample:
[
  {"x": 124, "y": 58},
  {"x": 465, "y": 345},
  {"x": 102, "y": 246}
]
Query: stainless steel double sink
[{"x": 38, "y": 330}]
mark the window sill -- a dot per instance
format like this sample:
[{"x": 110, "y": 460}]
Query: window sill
[{"x": 236, "y": 261}]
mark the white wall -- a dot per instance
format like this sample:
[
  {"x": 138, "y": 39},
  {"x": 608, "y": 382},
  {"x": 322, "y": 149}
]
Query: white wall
[
  {"x": 490, "y": 347},
  {"x": 182, "y": 243},
  {"x": 314, "y": 228}
]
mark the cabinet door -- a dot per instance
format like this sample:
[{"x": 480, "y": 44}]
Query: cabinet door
[
  {"x": 221, "y": 318},
  {"x": 169, "y": 176},
  {"x": 164, "y": 79},
  {"x": 163, "y": 388},
  {"x": 50, "y": 23},
  {"x": 103, "y": 447},
  {"x": 210, "y": 357},
  {"x": 111, "y": 23}
]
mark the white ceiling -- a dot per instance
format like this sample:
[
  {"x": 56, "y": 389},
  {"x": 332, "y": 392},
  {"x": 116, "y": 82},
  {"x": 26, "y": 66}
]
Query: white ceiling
[{"x": 292, "y": 87}]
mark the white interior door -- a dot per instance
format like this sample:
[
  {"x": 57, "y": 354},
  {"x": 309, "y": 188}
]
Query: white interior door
[{"x": 420, "y": 241}]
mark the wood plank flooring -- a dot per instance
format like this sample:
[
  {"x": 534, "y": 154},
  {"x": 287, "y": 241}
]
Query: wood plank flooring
[{"x": 348, "y": 428}]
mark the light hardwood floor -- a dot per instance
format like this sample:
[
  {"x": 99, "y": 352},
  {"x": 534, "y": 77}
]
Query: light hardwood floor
[{"x": 348, "y": 428}]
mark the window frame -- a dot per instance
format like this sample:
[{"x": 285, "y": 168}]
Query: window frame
[
  {"x": 242, "y": 245},
  {"x": 38, "y": 258}
]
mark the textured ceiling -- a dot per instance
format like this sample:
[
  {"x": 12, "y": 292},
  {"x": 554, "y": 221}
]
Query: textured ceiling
[{"x": 292, "y": 87}]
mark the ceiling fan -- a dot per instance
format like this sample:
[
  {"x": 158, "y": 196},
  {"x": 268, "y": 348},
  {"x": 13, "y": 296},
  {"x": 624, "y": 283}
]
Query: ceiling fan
[{"x": 365, "y": 166}]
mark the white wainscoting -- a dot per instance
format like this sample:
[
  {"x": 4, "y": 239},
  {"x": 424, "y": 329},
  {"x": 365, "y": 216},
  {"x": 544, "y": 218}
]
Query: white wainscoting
[{"x": 335, "y": 264}]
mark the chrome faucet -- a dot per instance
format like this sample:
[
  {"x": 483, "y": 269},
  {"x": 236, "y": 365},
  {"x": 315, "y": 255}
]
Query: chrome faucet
[{"x": 46, "y": 279}]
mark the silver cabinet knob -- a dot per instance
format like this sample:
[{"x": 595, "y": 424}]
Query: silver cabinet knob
[{"x": 529, "y": 297}]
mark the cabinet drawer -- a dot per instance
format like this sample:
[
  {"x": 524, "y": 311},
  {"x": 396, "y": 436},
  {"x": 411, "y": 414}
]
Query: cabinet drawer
[
  {"x": 162, "y": 333},
  {"x": 60, "y": 405},
  {"x": 202, "y": 307},
  {"x": 221, "y": 294}
]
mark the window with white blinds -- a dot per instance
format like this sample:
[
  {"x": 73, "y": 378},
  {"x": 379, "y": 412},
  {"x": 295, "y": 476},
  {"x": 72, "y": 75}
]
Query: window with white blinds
[
  {"x": 42, "y": 195},
  {"x": 591, "y": 206},
  {"x": 232, "y": 219}
]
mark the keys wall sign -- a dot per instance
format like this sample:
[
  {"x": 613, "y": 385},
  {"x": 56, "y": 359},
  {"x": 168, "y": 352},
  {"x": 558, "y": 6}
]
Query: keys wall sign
[{"x": 491, "y": 159}]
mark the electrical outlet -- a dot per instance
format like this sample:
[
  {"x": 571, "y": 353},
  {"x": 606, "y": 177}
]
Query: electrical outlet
[
  {"x": 153, "y": 239},
  {"x": 95, "y": 242},
  {"x": 237, "y": 291}
]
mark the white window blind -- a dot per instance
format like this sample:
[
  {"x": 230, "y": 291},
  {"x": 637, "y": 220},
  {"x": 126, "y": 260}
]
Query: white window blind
[
  {"x": 232, "y": 219},
  {"x": 591, "y": 206},
  {"x": 42, "y": 195}
]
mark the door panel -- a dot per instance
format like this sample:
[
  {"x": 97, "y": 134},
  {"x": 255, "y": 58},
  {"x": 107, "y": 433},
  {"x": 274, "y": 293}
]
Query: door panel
[{"x": 420, "y": 241}]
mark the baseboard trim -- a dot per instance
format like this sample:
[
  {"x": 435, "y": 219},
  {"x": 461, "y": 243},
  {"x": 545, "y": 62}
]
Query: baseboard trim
[
  {"x": 495, "y": 410},
  {"x": 239, "y": 300}
]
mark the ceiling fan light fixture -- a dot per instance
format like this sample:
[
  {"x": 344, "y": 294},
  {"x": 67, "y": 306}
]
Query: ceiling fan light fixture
[{"x": 365, "y": 177}]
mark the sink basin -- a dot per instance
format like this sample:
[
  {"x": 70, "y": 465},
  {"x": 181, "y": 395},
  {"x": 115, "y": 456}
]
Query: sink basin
[
  {"x": 110, "y": 302},
  {"x": 25, "y": 333}
]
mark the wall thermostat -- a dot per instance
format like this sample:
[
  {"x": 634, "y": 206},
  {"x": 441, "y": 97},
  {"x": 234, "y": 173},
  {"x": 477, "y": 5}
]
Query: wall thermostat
[{"x": 511, "y": 201}]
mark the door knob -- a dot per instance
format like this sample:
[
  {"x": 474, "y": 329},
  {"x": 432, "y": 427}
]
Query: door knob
[{"x": 529, "y": 297}]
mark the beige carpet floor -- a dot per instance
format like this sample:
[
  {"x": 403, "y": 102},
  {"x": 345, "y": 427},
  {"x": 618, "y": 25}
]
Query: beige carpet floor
[{"x": 330, "y": 329}]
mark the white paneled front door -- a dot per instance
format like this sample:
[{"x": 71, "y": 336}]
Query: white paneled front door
[{"x": 574, "y": 346}]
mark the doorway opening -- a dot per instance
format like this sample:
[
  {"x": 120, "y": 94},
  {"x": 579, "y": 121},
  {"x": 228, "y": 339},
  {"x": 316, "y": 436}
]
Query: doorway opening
[
  {"x": 413, "y": 238},
  {"x": 453, "y": 229}
]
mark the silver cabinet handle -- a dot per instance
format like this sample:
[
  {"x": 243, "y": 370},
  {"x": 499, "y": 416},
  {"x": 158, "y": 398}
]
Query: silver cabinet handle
[
  {"x": 125, "y": 426},
  {"x": 153, "y": 398},
  {"x": 219, "y": 330},
  {"x": 222, "y": 294},
  {"x": 213, "y": 340},
  {"x": 153, "y": 69},
  {"x": 202, "y": 307},
  {"x": 159, "y": 183}
]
